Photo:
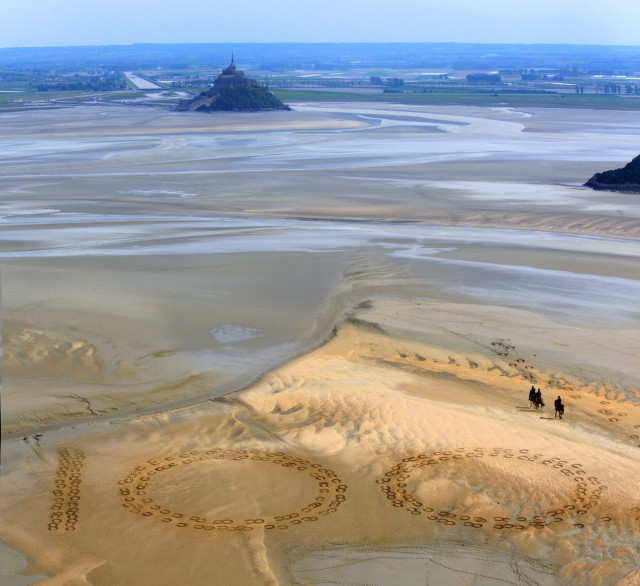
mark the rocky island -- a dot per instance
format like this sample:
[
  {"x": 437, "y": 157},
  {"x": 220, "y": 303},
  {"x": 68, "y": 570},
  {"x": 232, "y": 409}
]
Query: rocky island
[
  {"x": 233, "y": 91},
  {"x": 625, "y": 179}
]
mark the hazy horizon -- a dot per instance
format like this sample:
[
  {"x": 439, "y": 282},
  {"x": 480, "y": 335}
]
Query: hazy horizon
[
  {"x": 309, "y": 43},
  {"x": 91, "y": 23}
]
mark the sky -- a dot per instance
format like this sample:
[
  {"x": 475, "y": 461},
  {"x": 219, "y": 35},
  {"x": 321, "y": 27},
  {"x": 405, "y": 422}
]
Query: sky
[{"x": 40, "y": 23}]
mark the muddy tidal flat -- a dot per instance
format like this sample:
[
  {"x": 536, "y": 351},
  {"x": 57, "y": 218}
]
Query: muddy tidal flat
[{"x": 347, "y": 304}]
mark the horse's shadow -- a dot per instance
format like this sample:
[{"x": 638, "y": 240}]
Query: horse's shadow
[{"x": 532, "y": 409}]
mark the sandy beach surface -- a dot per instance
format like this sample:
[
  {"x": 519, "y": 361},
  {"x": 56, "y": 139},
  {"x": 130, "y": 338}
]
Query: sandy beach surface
[{"x": 296, "y": 347}]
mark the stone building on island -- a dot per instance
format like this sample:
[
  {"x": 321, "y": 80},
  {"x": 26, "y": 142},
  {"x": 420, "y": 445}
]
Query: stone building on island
[
  {"x": 231, "y": 77},
  {"x": 232, "y": 90}
]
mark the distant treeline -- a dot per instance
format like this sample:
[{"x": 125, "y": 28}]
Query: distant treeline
[
  {"x": 82, "y": 84},
  {"x": 389, "y": 82},
  {"x": 53, "y": 80},
  {"x": 484, "y": 77},
  {"x": 617, "y": 88},
  {"x": 594, "y": 59}
]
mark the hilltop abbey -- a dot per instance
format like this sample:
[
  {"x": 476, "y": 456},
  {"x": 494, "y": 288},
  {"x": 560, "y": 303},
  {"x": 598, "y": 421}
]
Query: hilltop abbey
[
  {"x": 231, "y": 77},
  {"x": 233, "y": 91}
]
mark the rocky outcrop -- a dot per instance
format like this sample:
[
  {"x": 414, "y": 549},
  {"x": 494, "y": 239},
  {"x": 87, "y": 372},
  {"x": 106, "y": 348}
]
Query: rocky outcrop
[{"x": 625, "y": 179}]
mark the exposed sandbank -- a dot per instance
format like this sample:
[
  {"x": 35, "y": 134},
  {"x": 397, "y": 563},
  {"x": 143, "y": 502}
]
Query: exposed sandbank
[{"x": 151, "y": 269}]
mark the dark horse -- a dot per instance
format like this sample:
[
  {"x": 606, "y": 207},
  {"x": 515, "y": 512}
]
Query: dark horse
[
  {"x": 537, "y": 402},
  {"x": 536, "y": 398},
  {"x": 559, "y": 407}
]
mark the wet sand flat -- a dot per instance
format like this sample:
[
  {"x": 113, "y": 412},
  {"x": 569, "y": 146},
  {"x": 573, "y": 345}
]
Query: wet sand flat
[{"x": 349, "y": 304}]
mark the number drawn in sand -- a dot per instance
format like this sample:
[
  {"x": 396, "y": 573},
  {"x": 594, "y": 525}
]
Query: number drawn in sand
[
  {"x": 587, "y": 491},
  {"x": 136, "y": 491},
  {"x": 66, "y": 495}
]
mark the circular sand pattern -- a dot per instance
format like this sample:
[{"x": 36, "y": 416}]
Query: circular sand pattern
[
  {"x": 330, "y": 495},
  {"x": 587, "y": 493}
]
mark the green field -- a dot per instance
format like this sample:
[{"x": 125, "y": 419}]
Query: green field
[
  {"x": 6, "y": 98},
  {"x": 36, "y": 99},
  {"x": 443, "y": 97},
  {"x": 461, "y": 98}
]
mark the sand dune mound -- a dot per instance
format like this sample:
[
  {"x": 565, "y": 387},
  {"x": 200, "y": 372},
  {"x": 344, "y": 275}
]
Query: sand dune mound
[{"x": 29, "y": 351}]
